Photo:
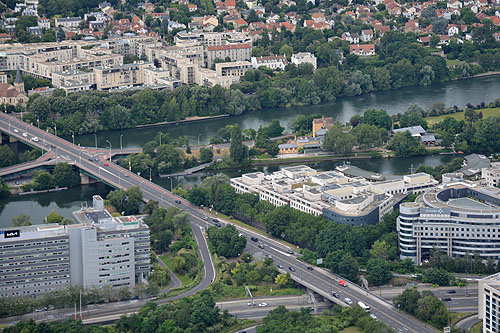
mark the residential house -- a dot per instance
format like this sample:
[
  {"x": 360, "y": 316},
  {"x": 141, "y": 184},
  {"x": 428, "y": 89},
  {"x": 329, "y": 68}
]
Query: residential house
[
  {"x": 366, "y": 35},
  {"x": 455, "y": 4},
  {"x": 43, "y": 23},
  {"x": 67, "y": 22},
  {"x": 394, "y": 8},
  {"x": 273, "y": 62},
  {"x": 351, "y": 38},
  {"x": 362, "y": 49},
  {"x": 453, "y": 30},
  {"x": 304, "y": 58},
  {"x": 321, "y": 124}
]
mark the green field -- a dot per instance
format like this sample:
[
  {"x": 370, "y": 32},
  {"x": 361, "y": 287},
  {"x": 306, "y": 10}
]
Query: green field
[
  {"x": 352, "y": 329},
  {"x": 185, "y": 279},
  {"x": 460, "y": 115}
]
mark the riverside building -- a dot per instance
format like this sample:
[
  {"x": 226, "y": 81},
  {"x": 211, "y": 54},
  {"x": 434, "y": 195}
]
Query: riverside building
[
  {"x": 489, "y": 303},
  {"x": 459, "y": 218},
  {"x": 99, "y": 251},
  {"x": 350, "y": 200}
]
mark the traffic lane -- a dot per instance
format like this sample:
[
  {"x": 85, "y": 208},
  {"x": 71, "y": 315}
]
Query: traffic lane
[
  {"x": 244, "y": 304},
  {"x": 387, "y": 314},
  {"x": 263, "y": 312}
]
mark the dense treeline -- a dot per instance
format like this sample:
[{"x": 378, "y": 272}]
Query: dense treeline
[{"x": 424, "y": 306}]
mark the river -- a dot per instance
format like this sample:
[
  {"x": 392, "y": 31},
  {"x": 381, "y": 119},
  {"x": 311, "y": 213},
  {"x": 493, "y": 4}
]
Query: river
[
  {"x": 460, "y": 92},
  {"x": 475, "y": 91}
]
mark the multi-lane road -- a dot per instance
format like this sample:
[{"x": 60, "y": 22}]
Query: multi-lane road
[{"x": 317, "y": 280}]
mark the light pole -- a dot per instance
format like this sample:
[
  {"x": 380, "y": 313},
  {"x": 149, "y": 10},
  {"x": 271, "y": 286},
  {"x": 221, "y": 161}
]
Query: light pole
[
  {"x": 109, "y": 149},
  {"x": 55, "y": 129},
  {"x": 199, "y": 139},
  {"x": 95, "y": 136},
  {"x": 72, "y": 136},
  {"x": 149, "y": 174},
  {"x": 121, "y": 143},
  {"x": 38, "y": 122},
  {"x": 171, "y": 186}
]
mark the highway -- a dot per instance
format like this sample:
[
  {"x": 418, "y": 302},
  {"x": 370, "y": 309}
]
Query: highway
[{"x": 321, "y": 281}]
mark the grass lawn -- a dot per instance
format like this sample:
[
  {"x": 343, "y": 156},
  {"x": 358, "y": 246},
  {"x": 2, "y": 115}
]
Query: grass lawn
[
  {"x": 238, "y": 292},
  {"x": 452, "y": 62},
  {"x": 456, "y": 316},
  {"x": 352, "y": 329},
  {"x": 487, "y": 112},
  {"x": 478, "y": 328},
  {"x": 185, "y": 279}
]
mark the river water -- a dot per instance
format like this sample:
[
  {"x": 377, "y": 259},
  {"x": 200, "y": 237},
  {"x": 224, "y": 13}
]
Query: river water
[{"x": 458, "y": 93}]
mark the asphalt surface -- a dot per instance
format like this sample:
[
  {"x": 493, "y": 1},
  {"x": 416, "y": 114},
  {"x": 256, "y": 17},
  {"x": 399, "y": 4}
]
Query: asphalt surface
[
  {"x": 318, "y": 280},
  {"x": 467, "y": 323}
]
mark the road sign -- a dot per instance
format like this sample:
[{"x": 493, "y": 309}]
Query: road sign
[{"x": 319, "y": 261}]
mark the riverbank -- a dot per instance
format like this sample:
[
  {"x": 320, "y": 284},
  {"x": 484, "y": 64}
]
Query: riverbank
[
  {"x": 187, "y": 120},
  {"x": 487, "y": 112}
]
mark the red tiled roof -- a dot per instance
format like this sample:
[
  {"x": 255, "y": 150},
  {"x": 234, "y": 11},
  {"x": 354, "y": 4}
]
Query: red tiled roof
[{"x": 229, "y": 47}]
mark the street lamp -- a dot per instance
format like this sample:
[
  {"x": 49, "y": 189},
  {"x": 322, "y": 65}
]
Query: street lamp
[
  {"x": 121, "y": 143},
  {"x": 109, "y": 149},
  {"x": 73, "y": 136},
  {"x": 55, "y": 129},
  {"x": 171, "y": 186},
  {"x": 95, "y": 136},
  {"x": 38, "y": 122},
  {"x": 199, "y": 139},
  {"x": 149, "y": 174}
]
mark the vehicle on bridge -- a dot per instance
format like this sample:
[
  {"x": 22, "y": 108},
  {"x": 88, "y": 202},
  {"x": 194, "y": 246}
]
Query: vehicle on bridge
[
  {"x": 364, "y": 306},
  {"x": 343, "y": 283}
]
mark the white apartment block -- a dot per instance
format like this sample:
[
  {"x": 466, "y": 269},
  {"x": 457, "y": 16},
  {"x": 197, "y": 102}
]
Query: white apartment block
[
  {"x": 489, "y": 303},
  {"x": 458, "y": 218},
  {"x": 491, "y": 175},
  {"x": 120, "y": 76},
  {"x": 272, "y": 62},
  {"x": 68, "y": 22},
  {"x": 100, "y": 251},
  {"x": 304, "y": 58},
  {"x": 339, "y": 198},
  {"x": 236, "y": 68},
  {"x": 235, "y": 52},
  {"x": 73, "y": 80}
]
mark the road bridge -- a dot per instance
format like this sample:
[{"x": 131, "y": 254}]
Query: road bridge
[{"x": 317, "y": 280}]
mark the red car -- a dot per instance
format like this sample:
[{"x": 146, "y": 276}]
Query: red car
[
  {"x": 343, "y": 283},
  {"x": 106, "y": 164}
]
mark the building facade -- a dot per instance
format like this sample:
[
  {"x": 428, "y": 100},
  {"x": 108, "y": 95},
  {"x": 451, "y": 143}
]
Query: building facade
[
  {"x": 100, "y": 251},
  {"x": 489, "y": 302},
  {"x": 458, "y": 218}
]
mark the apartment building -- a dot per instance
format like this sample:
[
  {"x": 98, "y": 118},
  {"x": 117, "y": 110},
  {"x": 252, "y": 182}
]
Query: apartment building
[
  {"x": 99, "y": 251},
  {"x": 491, "y": 175},
  {"x": 209, "y": 78},
  {"x": 120, "y": 76},
  {"x": 489, "y": 302},
  {"x": 350, "y": 200},
  {"x": 273, "y": 62},
  {"x": 304, "y": 58},
  {"x": 74, "y": 80},
  {"x": 235, "y": 52},
  {"x": 459, "y": 218},
  {"x": 68, "y": 22},
  {"x": 236, "y": 68}
]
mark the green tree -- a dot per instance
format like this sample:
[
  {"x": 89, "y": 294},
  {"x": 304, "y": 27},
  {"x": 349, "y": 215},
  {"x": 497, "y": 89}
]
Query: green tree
[
  {"x": 127, "y": 201},
  {"x": 206, "y": 155},
  {"x": 238, "y": 150},
  {"x": 4, "y": 189},
  {"x": 7, "y": 157},
  {"x": 227, "y": 241},
  {"x": 22, "y": 220},
  {"x": 405, "y": 145},
  {"x": 379, "y": 272},
  {"x": 41, "y": 108},
  {"x": 42, "y": 180},
  {"x": 368, "y": 135},
  {"x": 379, "y": 249},
  {"x": 378, "y": 118},
  {"x": 283, "y": 280},
  {"x": 337, "y": 141},
  {"x": 54, "y": 217},
  {"x": 65, "y": 175},
  {"x": 407, "y": 301},
  {"x": 436, "y": 276}
]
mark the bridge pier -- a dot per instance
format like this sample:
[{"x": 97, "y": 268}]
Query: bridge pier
[{"x": 85, "y": 179}]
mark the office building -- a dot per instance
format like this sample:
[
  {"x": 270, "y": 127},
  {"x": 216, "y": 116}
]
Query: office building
[
  {"x": 350, "y": 200},
  {"x": 459, "y": 218},
  {"x": 489, "y": 302},
  {"x": 99, "y": 251}
]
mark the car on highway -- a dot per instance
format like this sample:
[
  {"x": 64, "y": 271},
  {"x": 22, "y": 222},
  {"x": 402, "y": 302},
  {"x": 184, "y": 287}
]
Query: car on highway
[
  {"x": 280, "y": 266},
  {"x": 348, "y": 300},
  {"x": 106, "y": 164},
  {"x": 263, "y": 304},
  {"x": 289, "y": 251},
  {"x": 215, "y": 220},
  {"x": 335, "y": 295},
  {"x": 16, "y": 130},
  {"x": 34, "y": 139},
  {"x": 218, "y": 225},
  {"x": 310, "y": 268},
  {"x": 254, "y": 239},
  {"x": 452, "y": 291},
  {"x": 373, "y": 316},
  {"x": 178, "y": 202},
  {"x": 25, "y": 135},
  {"x": 261, "y": 246},
  {"x": 291, "y": 269},
  {"x": 446, "y": 299},
  {"x": 251, "y": 304},
  {"x": 205, "y": 217},
  {"x": 41, "y": 309},
  {"x": 343, "y": 283},
  {"x": 269, "y": 256}
]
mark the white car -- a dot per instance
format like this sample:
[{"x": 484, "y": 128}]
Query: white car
[
  {"x": 262, "y": 304},
  {"x": 348, "y": 300},
  {"x": 16, "y": 130},
  {"x": 251, "y": 304},
  {"x": 373, "y": 316},
  {"x": 25, "y": 135},
  {"x": 35, "y": 139}
]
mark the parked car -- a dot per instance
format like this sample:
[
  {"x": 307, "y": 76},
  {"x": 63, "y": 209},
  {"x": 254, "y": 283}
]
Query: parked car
[{"x": 452, "y": 291}]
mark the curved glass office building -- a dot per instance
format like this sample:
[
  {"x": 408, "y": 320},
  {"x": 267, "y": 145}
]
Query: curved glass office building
[{"x": 458, "y": 218}]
